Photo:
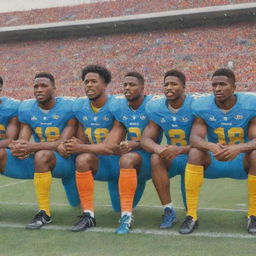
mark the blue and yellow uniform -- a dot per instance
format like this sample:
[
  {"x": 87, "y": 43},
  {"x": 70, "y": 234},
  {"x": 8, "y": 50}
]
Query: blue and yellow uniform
[
  {"x": 227, "y": 128},
  {"x": 176, "y": 127},
  {"x": 48, "y": 126},
  {"x": 134, "y": 122},
  {"x": 96, "y": 127}
]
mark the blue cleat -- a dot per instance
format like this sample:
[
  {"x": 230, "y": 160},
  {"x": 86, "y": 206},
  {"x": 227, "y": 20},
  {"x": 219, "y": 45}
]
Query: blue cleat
[
  {"x": 125, "y": 225},
  {"x": 169, "y": 218}
]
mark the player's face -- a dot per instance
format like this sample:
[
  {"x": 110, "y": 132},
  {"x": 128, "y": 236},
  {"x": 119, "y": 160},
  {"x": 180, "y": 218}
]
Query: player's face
[
  {"x": 94, "y": 85},
  {"x": 173, "y": 88},
  {"x": 223, "y": 89},
  {"x": 133, "y": 89},
  {"x": 44, "y": 90}
]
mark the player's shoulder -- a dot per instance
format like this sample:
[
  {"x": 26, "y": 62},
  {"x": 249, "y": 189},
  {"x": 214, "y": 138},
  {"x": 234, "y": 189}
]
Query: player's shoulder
[
  {"x": 155, "y": 102},
  {"x": 247, "y": 100},
  {"x": 27, "y": 104},
  {"x": 116, "y": 102},
  {"x": 79, "y": 102},
  {"x": 202, "y": 101},
  {"x": 10, "y": 103}
]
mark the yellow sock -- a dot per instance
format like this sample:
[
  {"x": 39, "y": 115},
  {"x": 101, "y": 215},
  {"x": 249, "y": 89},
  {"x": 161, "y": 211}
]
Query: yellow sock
[
  {"x": 42, "y": 183},
  {"x": 193, "y": 180},
  {"x": 251, "y": 195}
]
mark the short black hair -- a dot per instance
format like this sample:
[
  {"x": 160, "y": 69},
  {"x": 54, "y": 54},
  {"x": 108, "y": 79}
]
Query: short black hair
[
  {"x": 225, "y": 72},
  {"x": 1, "y": 81},
  {"x": 102, "y": 71},
  {"x": 47, "y": 75},
  {"x": 138, "y": 75},
  {"x": 177, "y": 73}
]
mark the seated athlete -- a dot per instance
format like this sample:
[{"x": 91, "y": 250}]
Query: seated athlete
[
  {"x": 171, "y": 114},
  {"x": 129, "y": 111},
  {"x": 50, "y": 120},
  {"x": 228, "y": 120}
]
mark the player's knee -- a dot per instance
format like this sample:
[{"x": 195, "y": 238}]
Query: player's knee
[
  {"x": 86, "y": 162},
  {"x": 44, "y": 160},
  {"x": 3, "y": 158},
  {"x": 155, "y": 160},
  {"x": 252, "y": 162},
  {"x": 197, "y": 156},
  {"x": 130, "y": 161}
]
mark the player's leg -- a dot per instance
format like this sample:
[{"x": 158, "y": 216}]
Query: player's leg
[
  {"x": 250, "y": 164},
  {"x": 130, "y": 164},
  {"x": 194, "y": 174},
  {"x": 86, "y": 168},
  {"x": 44, "y": 162},
  {"x": 65, "y": 169},
  {"x": 160, "y": 178}
]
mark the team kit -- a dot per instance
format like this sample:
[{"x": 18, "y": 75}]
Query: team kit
[{"x": 127, "y": 139}]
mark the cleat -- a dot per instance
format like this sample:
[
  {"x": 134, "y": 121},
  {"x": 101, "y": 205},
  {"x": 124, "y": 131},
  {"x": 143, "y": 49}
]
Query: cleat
[
  {"x": 188, "y": 226},
  {"x": 125, "y": 225},
  {"x": 169, "y": 218},
  {"x": 251, "y": 224},
  {"x": 39, "y": 220},
  {"x": 85, "y": 221}
]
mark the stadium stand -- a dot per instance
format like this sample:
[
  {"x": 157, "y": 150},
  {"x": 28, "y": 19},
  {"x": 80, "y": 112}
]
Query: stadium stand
[{"x": 197, "y": 51}]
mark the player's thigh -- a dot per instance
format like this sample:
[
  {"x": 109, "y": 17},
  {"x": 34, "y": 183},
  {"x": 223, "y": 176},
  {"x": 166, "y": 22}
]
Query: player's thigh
[
  {"x": 17, "y": 168},
  {"x": 230, "y": 169},
  {"x": 108, "y": 168}
]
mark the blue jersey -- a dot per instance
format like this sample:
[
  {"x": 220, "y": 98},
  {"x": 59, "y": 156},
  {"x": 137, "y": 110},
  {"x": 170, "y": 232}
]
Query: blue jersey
[
  {"x": 176, "y": 126},
  {"x": 8, "y": 110},
  {"x": 46, "y": 125},
  {"x": 96, "y": 124},
  {"x": 133, "y": 120},
  {"x": 226, "y": 127}
]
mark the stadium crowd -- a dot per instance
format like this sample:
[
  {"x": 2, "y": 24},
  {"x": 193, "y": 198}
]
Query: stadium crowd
[
  {"x": 195, "y": 51},
  {"x": 104, "y": 9}
]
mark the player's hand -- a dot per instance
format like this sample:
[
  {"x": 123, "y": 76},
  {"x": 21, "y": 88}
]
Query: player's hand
[
  {"x": 72, "y": 146},
  {"x": 127, "y": 146},
  {"x": 62, "y": 150},
  {"x": 215, "y": 148},
  {"x": 169, "y": 152},
  {"x": 19, "y": 148},
  {"x": 228, "y": 153}
]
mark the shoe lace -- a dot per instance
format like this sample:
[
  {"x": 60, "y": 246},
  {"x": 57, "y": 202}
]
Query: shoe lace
[
  {"x": 187, "y": 220},
  {"x": 125, "y": 220},
  {"x": 167, "y": 216},
  {"x": 39, "y": 216}
]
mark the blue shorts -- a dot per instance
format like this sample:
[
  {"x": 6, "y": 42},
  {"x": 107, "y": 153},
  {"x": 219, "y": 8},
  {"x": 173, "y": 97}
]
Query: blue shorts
[
  {"x": 108, "y": 168},
  {"x": 231, "y": 169},
  {"x": 178, "y": 165}
]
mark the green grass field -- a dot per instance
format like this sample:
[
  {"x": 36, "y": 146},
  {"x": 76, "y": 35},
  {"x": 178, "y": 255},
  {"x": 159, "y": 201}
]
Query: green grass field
[{"x": 222, "y": 231}]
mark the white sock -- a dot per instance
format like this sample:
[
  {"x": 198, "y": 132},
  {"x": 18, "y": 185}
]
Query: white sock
[
  {"x": 90, "y": 212},
  {"x": 126, "y": 213},
  {"x": 170, "y": 205}
]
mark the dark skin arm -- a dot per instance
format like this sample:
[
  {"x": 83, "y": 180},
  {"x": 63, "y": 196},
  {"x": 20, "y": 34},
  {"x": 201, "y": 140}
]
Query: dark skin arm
[
  {"x": 148, "y": 143},
  {"x": 12, "y": 132}
]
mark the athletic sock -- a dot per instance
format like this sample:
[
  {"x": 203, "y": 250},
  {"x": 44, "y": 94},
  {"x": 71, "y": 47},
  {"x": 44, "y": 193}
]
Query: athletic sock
[
  {"x": 251, "y": 195},
  {"x": 85, "y": 186},
  {"x": 42, "y": 183},
  {"x": 193, "y": 180},
  {"x": 127, "y": 185},
  {"x": 170, "y": 205}
]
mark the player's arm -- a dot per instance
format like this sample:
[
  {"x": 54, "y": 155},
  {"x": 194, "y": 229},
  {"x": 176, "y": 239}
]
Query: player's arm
[
  {"x": 231, "y": 151},
  {"x": 149, "y": 138},
  {"x": 12, "y": 132},
  {"x": 197, "y": 137}
]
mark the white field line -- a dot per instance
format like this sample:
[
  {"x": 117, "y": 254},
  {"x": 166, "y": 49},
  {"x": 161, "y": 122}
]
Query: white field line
[
  {"x": 140, "y": 231},
  {"x": 13, "y": 183},
  {"x": 140, "y": 206}
]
